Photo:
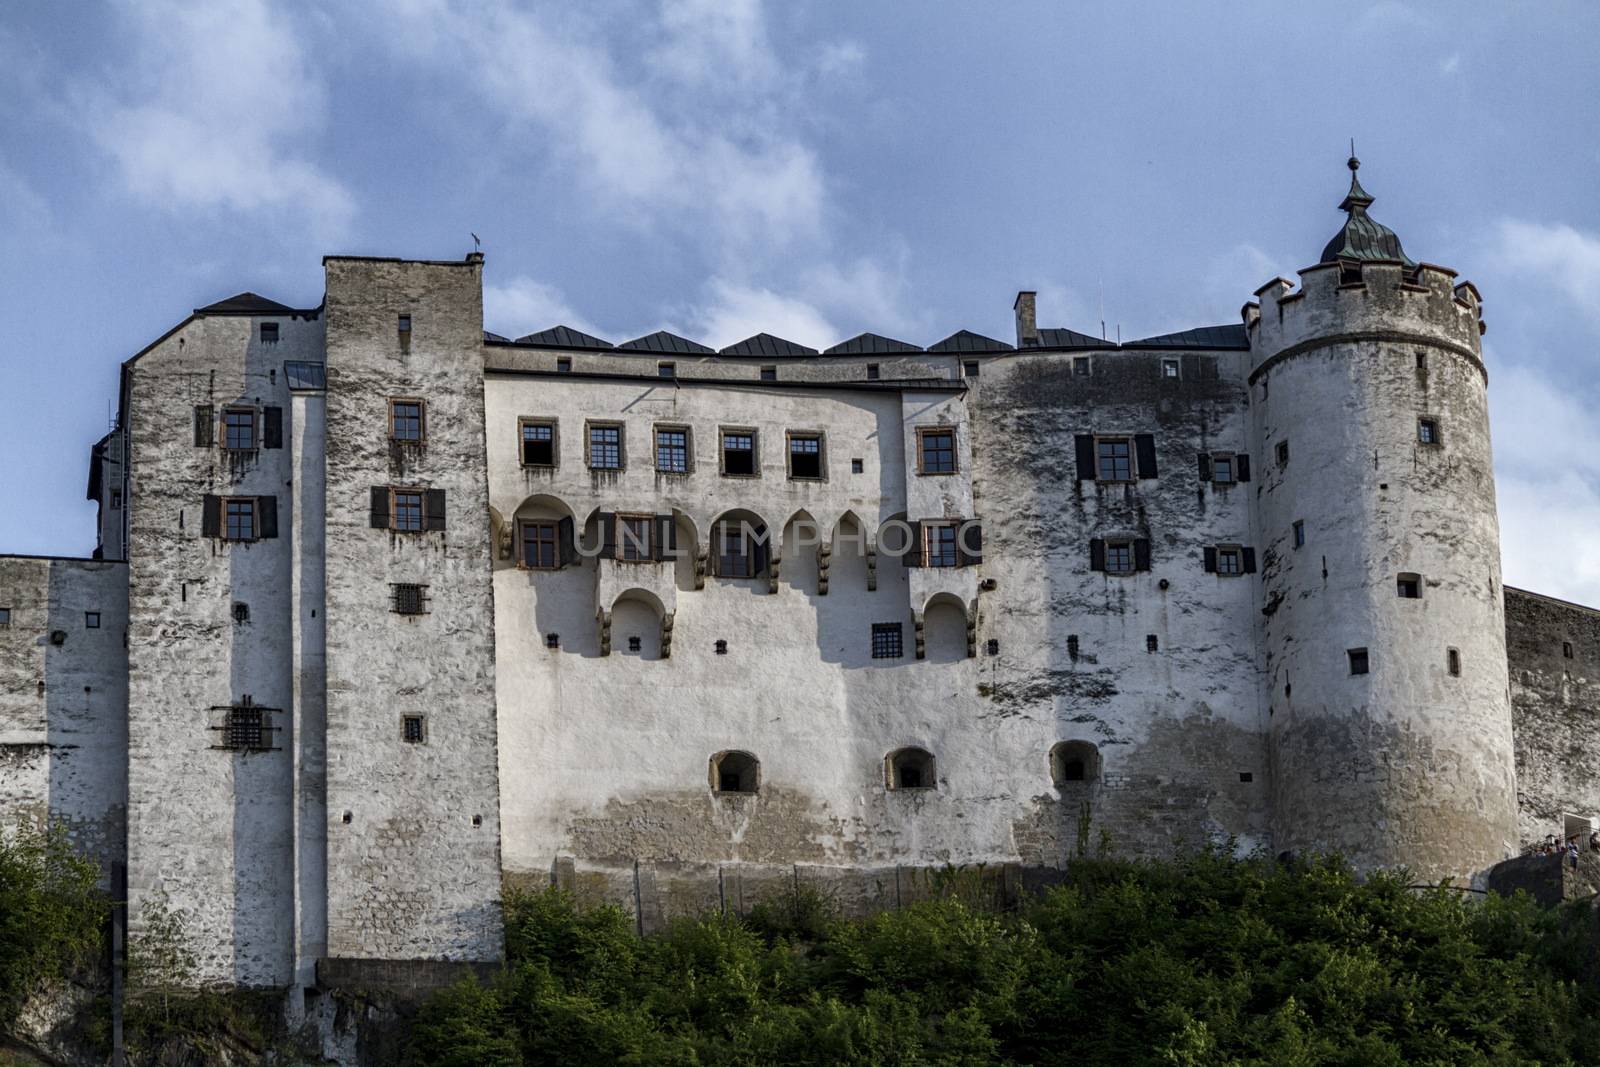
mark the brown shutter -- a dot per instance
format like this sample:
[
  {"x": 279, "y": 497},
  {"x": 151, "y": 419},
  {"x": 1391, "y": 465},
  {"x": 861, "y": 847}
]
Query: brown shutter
[
  {"x": 267, "y": 516},
  {"x": 1249, "y": 560},
  {"x": 1211, "y": 560},
  {"x": 913, "y": 556},
  {"x": 1205, "y": 467},
  {"x": 1084, "y": 444},
  {"x": 566, "y": 550},
  {"x": 380, "y": 507},
  {"x": 433, "y": 509},
  {"x": 1144, "y": 447},
  {"x": 272, "y": 428},
  {"x": 1097, "y": 554},
  {"x": 608, "y": 534},
  {"x": 211, "y": 516},
  {"x": 204, "y": 425},
  {"x": 1241, "y": 467},
  {"x": 969, "y": 543},
  {"x": 1141, "y": 554}
]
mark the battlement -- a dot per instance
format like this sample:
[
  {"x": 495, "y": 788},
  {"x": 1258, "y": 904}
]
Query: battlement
[{"x": 1372, "y": 300}]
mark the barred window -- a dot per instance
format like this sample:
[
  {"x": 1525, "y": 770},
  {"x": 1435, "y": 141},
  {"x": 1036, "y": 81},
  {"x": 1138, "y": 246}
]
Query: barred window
[
  {"x": 672, "y": 451},
  {"x": 886, "y": 640},
  {"x": 939, "y": 544},
  {"x": 241, "y": 524},
  {"x": 239, "y": 429},
  {"x": 412, "y": 729},
  {"x": 605, "y": 448},
  {"x": 1114, "y": 459},
  {"x": 407, "y": 511},
  {"x": 405, "y": 420},
  {"x": 245, "y": 728},
  {"x": 408, "y": 598}
]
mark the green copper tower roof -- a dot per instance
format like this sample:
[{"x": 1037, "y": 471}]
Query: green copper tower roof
[{"x": 1362, "y": 236}]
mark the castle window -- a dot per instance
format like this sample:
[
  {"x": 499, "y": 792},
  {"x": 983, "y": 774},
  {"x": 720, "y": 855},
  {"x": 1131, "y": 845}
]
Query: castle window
[
  {"x": 1222, "y": 469},
  {"x": 1566, "y": 649},
  {"x": 721, "y": 646},
  {"x": 1072, "y": 647},
  {"x": 667, "y": 370},
  {"x": 552, "y": 640},
  {"x": 1074, "y": 761},
  {"x": 910, "y": 768},
  {"x": 408, "y": 598},
  {"x": 872, "y": 372},
  {"x": 269, "y": 333},
  {"x": 1247, "y": 776},
  {"x": 1119, "y": 557},
  {"x": 1283, "y": 453},
  {"x": 970, "y": 368},
  {"x": 91, "y": 620},
  {"x": 769, "y": 374},
  {"x": 5, "y": 616},
  {"x": 1123, "y": 555},
  {"x": 413, "y": 729},
  {"x": 538, "y": 442},
  {"x": 939, "y": 544},
  {"x": 1169, "y": 368},
  {"x": 405, "y": 420},
  {"x": 936, "y": 450},
  {"x": 241, "y": 519},
  {"x": 738, "y": 549},
  {"x": 1299, "y": 533},
  {"x": 244, "y": 726},
  {"x": 1113, "y": 459},
  {"x": 1230, "y": 560},
  {"x": 886, "y": 640},
  {"x": 405, "y": 510},
  {"x": 1080, "y": 366},
  {"x": 1452, "y": 660},
  {"x": 1349, "y": 272},
  {"x": 1428, "y": 431},
  {"x": 672, "y": 450},
  {"x": 241, "y": 612},
  {"x": 1152, "y": 643},
  {"x": 735, "y": 772},
  {"x": 405, "y": 324},
  {"x": 1358, "y": 660},
  {"x": 857, "y": 466},
  {"x": 239, "y": 429},
  {"x": 540, "y": 541},
  {"x": 805, "y": 456},
  {"x": 563, "y": 364},
  {"x": 1409, "y": 586},
  {"x": 400, "y": 510},
  {"x": 605, "y": 446},
  {"x": 116, "y": 500},
  {"x": 992, "y": 646},
  {"x": 634, "y": 538},
  {"x": 1422, "y": 360},
  {"x": 635, "y": 644},
  {"x": 739, "y": 453}
]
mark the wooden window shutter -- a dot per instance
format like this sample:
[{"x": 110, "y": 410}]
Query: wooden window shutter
[
  {"x": 380, "y": 507},
  {"x": 433, "y": 509},
  {"x": 271, "y": 427},
  {"x": 1211, "y": 560},
  {"x": 205, "y": 420},
  {"x": 969, "y": 544},
  {"x": 762, "y": 554},
  {"x": 1205, "y": 466},
  {"x": 1241, "y": 467},
  {"x": 1084, "y": 443},
  {"x": 266, "y": 516},
  {"x": 211, "y": 516},
  {"x": 1141, "y": 554},
  {"x": 566, "y": 548},
  {"x": 1097, "y": 554},
  {"x": 608, "y": 534},
  {"x": 1249, "y": 555},
  {"x": 666, "y": 538},
  {"x": 913, "y": 556},
  {"x": 1144, "y": 446}
]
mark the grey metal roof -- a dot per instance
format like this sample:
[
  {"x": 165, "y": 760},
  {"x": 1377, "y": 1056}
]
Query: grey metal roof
[
  {"x": 304, "y": 375},
  {"x": 967, "y": 341},
  {"x": 1230, "y": 336},
  {"x": 1071, "y": 339},
  {"x": 867, "y": 344},
  {"x": 564, "y": 337},
  {"x": 245, "y": 304},
  {"x": 670, "y": 343},
  {"x": 491, "y": 336},
  {"x": 764, "y": 344}
]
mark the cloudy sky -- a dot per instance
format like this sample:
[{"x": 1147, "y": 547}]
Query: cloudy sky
[{"x": 719, "y": 167}]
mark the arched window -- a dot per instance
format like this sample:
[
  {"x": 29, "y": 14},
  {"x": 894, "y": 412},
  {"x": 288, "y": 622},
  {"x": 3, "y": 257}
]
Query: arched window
[
  {"x": 910, "y": 768},
  {"x": 1074, "y": 763},
  {"x": 735, "y": 772}
]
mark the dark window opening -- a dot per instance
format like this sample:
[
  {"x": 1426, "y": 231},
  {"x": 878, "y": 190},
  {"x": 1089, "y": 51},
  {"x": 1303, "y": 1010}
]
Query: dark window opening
[
  {"x": 1452, "y": 659},
  {"x": 5, "y": 616},
  {"x": 1299, "y": 533},
  {"x": 1222, "y": 469},
  {"x": 872, "y": 372},
  {"x": 563, "y": 365},
  {"x": 605, "y": 448},
  {"x": 405, "y": 324},
  {"x": 241, "y": 521},
  {"x": 1428, "y": 431},
  {"x": 970, "y": 368},
  {"x": 269, "y": 333},
  {"x": 1566, "y": 649},
  {"x": 539, "y": 549},
  {"x": 1349, "y": 273},
  {"x": 408, "y": 598},
  {"x": 239, "y": 429},
  {"x": 91, "y": 620},
  {"x": 245, "y": 727},
  {"x": 1169, "y": 368},
  {"x": 634, "y": 538},
  {"x": 1358, "y": 661},
  {"x": 116, "y": 499},
  {"x": 1151, "y": 643},
  {"x": 769, "y": 374},
  {"x": 1246, "y": 776},
  {"x": 805, "y": 456},
  {"x": 204, "y": 430},
  {"x": 939, "y": 544},
  {"x": 735, "y": 551},
  {"x": 857, "y": 466},
  {"x": 886, "y": 640},
  {"x": 722, "y": 647},
  {"x": 672, "y": 451},
  {"x": 538, "y": 444},
  {"x": 411, "y": 729},
  {"x": 405, "y": 420},
  {"x": 1422, "y": 360},
  {"x": 667, "y": 370},
  {"x": 635, "y": 644},
  {"x": 736, "y": 772},
  {"x": 241, "y": 612},
  {"x": 1072, "y": 647},
  {"x": 992, "y": 646},
  {"x": 1409, "y": 586},
  {"x": 552, "y": 640},
  {"x": 1080, "y": 366},
  {"x": 739, "y": 453},
  {"x": 936, "y": 451},
  {"x": 1114, "y": 459},
  {"x": 1074, "y": 761},
  {"x": 911, "y": 768},
  {"x": 405, "y": 514},
  {"x": 1283, "y": 453}
]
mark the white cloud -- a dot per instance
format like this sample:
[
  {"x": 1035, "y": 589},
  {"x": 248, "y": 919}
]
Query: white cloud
[
  {"x": 523, "y": 306},
  {"x": 215, "y": 110},
  {"x": 738, "y": 311},
  {"x": 1559, "y": 255}
]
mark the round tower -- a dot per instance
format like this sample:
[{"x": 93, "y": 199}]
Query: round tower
[{"x": 1390, "y": 727}]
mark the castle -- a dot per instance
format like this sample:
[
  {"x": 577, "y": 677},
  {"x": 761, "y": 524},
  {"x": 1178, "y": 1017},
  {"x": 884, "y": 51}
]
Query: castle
[{"x": 390, "y": 611}]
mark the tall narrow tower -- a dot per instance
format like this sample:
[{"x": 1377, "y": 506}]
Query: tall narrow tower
[{"x": 1390, "y": 731}]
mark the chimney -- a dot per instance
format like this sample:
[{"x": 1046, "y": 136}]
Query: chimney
[{"x": 1027, "y": 320}]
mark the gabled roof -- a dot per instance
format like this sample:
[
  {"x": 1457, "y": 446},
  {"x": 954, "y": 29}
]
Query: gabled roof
[
  {"x": 1070, "y": 339},
  {"x": 671, "y": 343},
  {"x": 489, "y": 335},
  {"x": 967, "y": 341},
  {"x": 764, "y": 344},
  {"x": 564, "y": 337},
  {"x": 1231, "y": 336},
  {"x": 866, "y": 344},
  {"x": 245, "y": 304}
]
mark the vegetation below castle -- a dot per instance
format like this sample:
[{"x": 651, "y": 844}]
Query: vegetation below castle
[
  {"x": 1205, "y": 960},
  {"x": 51, "y": 915}
]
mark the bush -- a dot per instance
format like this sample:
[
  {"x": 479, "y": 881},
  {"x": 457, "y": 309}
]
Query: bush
[{"x": 51, "y": 914}]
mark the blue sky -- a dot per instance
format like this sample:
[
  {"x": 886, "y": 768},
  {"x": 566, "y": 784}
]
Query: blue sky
[{"x": 720, "y": 167}]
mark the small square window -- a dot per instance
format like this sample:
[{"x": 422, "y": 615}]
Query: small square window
[
  {"x": 269, "y": 333},
  {"x": 769, "y": 374},
  {"x": 241, "y": 612},
  {"x": 405, "y": 512},
  {"x": 939, "y": 544},
  {"x": 245, "y": 727},
  {"x": 408, "y": 598},
  {"x": 605, "y": 448},
  {"x": 805, "y": 455},
  {"x": 857, "y": 466},
  {"x": 539, "y": 549},
  {"x": 1452, "y": 659},
  {"x": 1230, "y": 561},
  {"x": 721, "y": 646},
  {"x": 91, "y": 620},
  {"x": 405, "y": 420},
  {"x": 739, "y": 453},
  {"x": 405, "y": 324},
  {"x": 872, "y": 372},
  {"x": 1283, "y": 453},
  {"x": 936, "y": 451},
  {"x": 552, "y": 640},
  {"x": 1222, "y": 469},
  {"x": 241, "y": 520},
  {"x": 1428, "y": 431},
  {"x": 1119, "y": 557},
  {"x": 1113, "y": 459},
  {"x": 970, "y": 368},
  {"x": 563, "y": 365},
  {"x": 886, "y": 643},
  {"x": 412, "y": 729},
  {"x": 1299, "y": 533},
  {"x": 667, "y": 370},
  {"x": 1358, "y": 660},
  {"x": 1169, "y": 368},
  {"x": 5, "y": 616},
  {"x": 239, "y": 429},
  {"x": 1080, "y": 366},
  {"x": 635, "y": 644},
  {"x": 672, "y": 450},
  {"x": 538, "y": 443},
  {"x": 1409, "y": 587}
]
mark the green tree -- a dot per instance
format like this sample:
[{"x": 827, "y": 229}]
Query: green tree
[{"x": 52, "y": 915}]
